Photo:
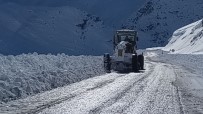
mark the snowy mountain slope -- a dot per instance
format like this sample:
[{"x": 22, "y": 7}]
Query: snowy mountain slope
[
  {"x": 112, "y": 12},
  {"x": 52, "y": 26},
  {"x": 78, "y": 27},
  {"x": 158, "y": 19},
  {"x": 51, "y": 30},
  {"x": 188, "y": 39}
]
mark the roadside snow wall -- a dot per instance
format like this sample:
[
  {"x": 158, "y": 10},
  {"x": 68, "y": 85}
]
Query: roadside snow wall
[{"x": 25, "y": 75}]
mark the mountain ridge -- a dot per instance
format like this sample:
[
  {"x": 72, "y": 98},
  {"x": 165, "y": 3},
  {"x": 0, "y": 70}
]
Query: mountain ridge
[{"x": 87, "y": 27}]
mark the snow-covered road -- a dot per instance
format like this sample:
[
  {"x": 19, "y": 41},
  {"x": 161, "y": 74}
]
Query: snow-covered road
[{"x": 151, "y": 91}]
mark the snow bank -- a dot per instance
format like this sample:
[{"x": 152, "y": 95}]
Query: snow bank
[
  {"x": 28, "y": 74},
  {"x": 154, "y": 48},
  {"x": 187, "y": 40},
  {"x": 192, "y": 62}
]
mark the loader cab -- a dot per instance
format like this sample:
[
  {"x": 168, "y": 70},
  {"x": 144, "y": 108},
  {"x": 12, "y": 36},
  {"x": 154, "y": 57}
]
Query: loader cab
[{"x": 125, "y": 35}]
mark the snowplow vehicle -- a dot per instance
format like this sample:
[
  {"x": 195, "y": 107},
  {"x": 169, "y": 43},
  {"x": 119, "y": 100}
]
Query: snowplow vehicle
[{"x": 125, "y": 57}]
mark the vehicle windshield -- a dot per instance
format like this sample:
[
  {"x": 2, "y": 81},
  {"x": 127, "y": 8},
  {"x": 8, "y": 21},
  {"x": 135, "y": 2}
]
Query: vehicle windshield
[{"x": 127, "y": 38}]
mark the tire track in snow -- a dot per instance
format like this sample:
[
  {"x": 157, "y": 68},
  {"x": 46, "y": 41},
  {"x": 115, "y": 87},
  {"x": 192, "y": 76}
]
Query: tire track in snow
[
  {"x": 178, "y": 93},
  {"x": 160, "y": 95},
  {"x": 96, "y": 97},
  {"x": 52, "y": 103},
  {"x": 66, "y": 98},
  {"x": 121, "y": 94},
  {"x": 100, "y": 85},
  {"x": 137, "y": 88},
  {"x": 143, "y": 92},
  {"x": 147, "y": 92}
]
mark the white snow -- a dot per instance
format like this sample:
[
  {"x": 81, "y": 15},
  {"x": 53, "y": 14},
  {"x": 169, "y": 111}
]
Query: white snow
[
  {"x": 171, "y": 83},
  {"x": 25, "y": 75},
  {"x": 189, "y": 80},
  {"x": 154, "y": 48},
  {"x": 110, "y": 93},
  {"x": 187, "y": 40}
]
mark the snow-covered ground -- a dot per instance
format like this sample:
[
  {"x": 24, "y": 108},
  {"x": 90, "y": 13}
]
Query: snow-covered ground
[
  {"x": 184, "y": 52},
  {"x": 25, "y": 75},
  {"x": 189, "y": 80},
  {"x": 171, "y": 83},
  {"x": 187, "y": 40},
  {"x": 149, "y": 91}
]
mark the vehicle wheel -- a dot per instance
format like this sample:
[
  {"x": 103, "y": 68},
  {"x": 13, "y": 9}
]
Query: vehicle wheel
[
  {"x": 141, "y": 62},
  {"x": 134, "y": 63},
  {"x": 107, "y": 63}
]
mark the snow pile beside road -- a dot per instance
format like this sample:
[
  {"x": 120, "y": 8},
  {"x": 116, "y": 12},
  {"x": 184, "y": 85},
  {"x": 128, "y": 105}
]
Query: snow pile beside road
[
  {"x": 188, "y": 61},
  {"x": 24, "y": 74},
  {"x": 187, "y": 40},
  {"x": 154, "y": 48}
]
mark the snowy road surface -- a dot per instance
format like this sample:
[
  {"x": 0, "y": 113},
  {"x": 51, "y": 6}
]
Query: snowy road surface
[{"x": 151, "y": 91}]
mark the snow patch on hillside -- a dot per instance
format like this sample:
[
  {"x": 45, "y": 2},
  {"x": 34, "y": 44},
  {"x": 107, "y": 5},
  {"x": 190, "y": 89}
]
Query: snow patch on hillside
[
  {"x": 86, "y": 27},
  {"x": 156, "y": 20},
  {"x": 187, "y": 40},
  {"x": 25, "y": 75}
]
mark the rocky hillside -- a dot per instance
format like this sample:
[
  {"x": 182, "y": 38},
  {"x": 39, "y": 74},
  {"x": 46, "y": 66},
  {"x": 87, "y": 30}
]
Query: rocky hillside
[
  {"x": 46, "y": 29},
  {"x": 78, "y": 27},
  {"x": 158, "y": 19}
]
